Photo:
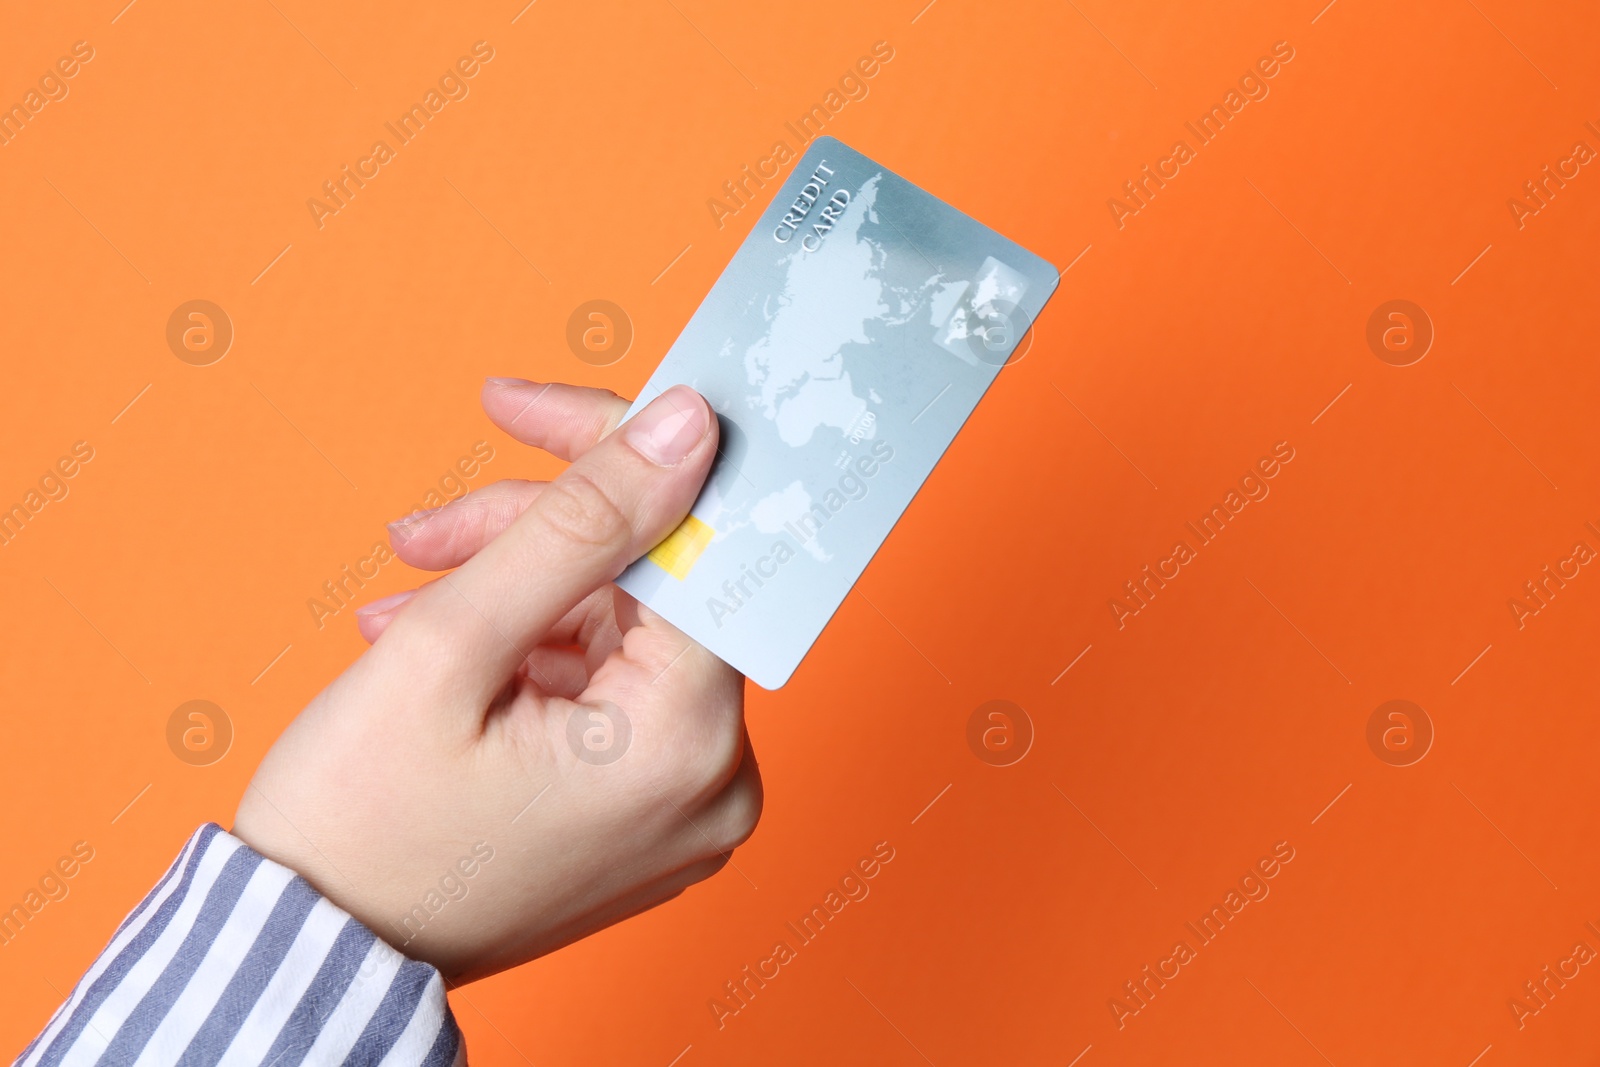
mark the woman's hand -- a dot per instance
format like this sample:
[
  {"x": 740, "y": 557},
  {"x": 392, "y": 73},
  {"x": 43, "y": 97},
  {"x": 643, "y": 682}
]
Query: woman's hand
[{"x": 524, "y": 709}]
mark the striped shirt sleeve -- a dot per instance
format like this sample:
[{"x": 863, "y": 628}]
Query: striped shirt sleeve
[{"x": 233, "y": 960}]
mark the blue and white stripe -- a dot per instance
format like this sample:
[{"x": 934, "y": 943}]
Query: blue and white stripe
[{"x": 235, "y": 961}]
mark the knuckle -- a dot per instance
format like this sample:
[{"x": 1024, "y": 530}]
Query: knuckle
[
  {"x": 719, "y": 794},
  {"x": 733, "y": 806},
  {"x": 737, "y": 821},
  {"x": 577, "y": 509},
  {"x": 711, "y": 762}
]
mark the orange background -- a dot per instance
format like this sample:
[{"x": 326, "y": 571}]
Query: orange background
[{"x": 1223, "y": 318}]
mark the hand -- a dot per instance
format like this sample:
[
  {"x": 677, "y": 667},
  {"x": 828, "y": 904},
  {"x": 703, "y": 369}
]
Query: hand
[{"x": 523, "y": 708}]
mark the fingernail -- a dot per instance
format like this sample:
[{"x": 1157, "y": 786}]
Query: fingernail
[
  {"x": 509, "y": 381},
  {"x": 408, "y": 527},
  {"x": 669, "y": 428},
  {"x": 386, "y": 604}
]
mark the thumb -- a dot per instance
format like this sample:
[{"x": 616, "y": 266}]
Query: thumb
[{"x": 619, "y": 500}]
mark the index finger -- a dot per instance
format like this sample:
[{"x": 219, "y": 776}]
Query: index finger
[
  {"x": 564, "y": 420},
  {"x": 619, "y": 500}
]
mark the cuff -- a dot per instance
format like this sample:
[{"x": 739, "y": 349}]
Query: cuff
[{"x": 233, "y": 959}]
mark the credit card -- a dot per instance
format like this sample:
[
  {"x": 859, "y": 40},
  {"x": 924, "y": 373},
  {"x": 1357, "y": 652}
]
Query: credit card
[{"x": 848, "y": 340}]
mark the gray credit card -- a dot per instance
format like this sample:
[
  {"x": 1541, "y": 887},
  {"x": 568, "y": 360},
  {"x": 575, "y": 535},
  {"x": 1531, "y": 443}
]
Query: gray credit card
[{"x": 853, "y": 333}]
